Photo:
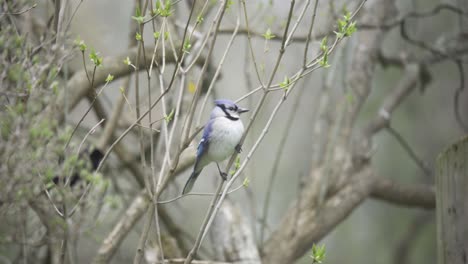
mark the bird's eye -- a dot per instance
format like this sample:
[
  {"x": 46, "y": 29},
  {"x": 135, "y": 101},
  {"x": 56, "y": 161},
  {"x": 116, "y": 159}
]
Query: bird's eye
[{"x": 231, "y": 108}]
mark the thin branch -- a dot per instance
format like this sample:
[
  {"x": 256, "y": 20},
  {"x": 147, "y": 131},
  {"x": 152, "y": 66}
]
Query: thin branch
[
  {"x": 406, "y": 85},
  {"x": 167, "y": 144},
  {"x": 144, "y": 235},
  {"x": 402, "y": 141},
  {"x": 197, "y": 194},
  {"x": 298, "y": 21},
  {"x": 296, "y": 38},
  {"x": 109, "y": 128},
  {"x": 91, "y": 131},
  {"x": 67, "y": 27},
  {"x": 87, "y": 111},
  {"x": 199, "y": 45},
  {"x": 309, "y": 34},
  {"x": 19, "y": 12},
  {"x": 133, "y": 213},
  {"x": 310, "y": 218},
  {"x": 218, "y": 70},
  {"x": 112, "y": 242},
  {"x": 216, "y": 203},
  {"x": 181, "y": 260},
  {"x": 191, "y": 112},
  {"x": 276, "y": 162},
  {"x": 249, "y": 40},
  {"x": 112, "y": 65}
]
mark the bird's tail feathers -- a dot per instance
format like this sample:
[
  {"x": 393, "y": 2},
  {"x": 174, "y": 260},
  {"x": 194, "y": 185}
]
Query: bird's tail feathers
[{"x": 190, "y": 182}]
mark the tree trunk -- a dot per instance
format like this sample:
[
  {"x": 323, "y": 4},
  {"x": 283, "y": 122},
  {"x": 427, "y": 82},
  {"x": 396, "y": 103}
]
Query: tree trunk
[{"x": 452, "y": 204}]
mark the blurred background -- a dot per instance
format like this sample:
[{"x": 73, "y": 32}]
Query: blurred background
[{"x": 376, "y": 232}]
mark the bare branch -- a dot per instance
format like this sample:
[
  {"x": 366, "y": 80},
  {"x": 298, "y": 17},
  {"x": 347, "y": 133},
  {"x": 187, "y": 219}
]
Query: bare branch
[
  {"x": 406, "y": 85},
  {"x": 416, "y": 195},
  {"x": 216, "y": 202},
  {"x": 304, "y": 224},
  {"x": 299, "y": 38},
  {"x": 132, "y": 215},
  {"x": 112, "y": 242},
  {"x": 231, "y": 232},
  {"x": 401, "y": 140},
  {"x": 80, "y": 86},
  {"x": 182, "y": 260},
  {"x": 312, "y": 216},
  {"x": 19, "y": 12}
]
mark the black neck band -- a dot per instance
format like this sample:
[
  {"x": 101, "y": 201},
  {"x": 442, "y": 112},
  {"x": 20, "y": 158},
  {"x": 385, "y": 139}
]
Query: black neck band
[{"x": 228, "y": 116}]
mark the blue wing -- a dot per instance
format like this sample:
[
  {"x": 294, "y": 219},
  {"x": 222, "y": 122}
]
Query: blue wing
[
  {"x": 204, "y": 144},
  {"x": 201, "y": 158}
]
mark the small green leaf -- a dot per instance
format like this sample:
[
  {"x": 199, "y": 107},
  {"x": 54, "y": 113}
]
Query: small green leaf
[
  {"x": 318, "y": 253},
  {"x": 81, "y": 44},
  {"x": 324, "y": 47},
  {"x": 187, "y": 46},
  {"x": 109, "y": 78},
  {"x": 345, "y": 27},
  {"x": 341, "y": 25},
  {"x": 138, "y": 36},
  {"x": 163, "y": 11},
  {"x": 237, "y": 165},
  {"x": 268, "y": 35},
  {"x": 246, "y": 182},
  {"x": 229, "y": 4},
  {"x": 54, "y": 86},
  {"x": 323, "y": 44},
  {"x": 49, "y": 174},
  {"x": 50, "y": 185},
  {"x": 156, "y": 34},
  {"x": 286, "y": 83},
  {"x": 324, "y": 60},
  {"x": 351, "y": 29},
  {"x": 169, "y": 117},
  {"x": 127, "y": 61},
  {"x": 199, "y": 19},
  {"x": 137, "y": 11},
  {"x": 94, "y": 56},
  {"x": 139, "y": 19}
]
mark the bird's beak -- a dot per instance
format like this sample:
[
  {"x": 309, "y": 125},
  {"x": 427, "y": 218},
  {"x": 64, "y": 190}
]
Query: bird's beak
[{"x": 242, "y": 110}]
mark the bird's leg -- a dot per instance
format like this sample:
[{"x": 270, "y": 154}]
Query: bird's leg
[
  {"x": 222, "y": 174},
  {"x": 238, "y": 148}
]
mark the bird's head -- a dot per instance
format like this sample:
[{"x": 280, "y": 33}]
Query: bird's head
[{"x": 227, "y": 108}]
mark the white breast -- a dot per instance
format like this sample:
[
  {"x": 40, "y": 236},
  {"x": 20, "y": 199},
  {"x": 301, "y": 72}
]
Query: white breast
[{"x": 225, "y": 136}]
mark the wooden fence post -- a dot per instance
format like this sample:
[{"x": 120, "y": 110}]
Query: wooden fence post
[{"x": 452, "y": 204}]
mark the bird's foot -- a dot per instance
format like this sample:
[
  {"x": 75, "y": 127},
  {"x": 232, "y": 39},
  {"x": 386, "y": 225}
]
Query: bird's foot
[
  {"x": 223, "y": 175},
  {"x": 238, "y": 148}
]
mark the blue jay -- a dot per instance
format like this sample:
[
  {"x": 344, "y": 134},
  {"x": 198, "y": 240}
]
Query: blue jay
[{"x": 221, "y": 137}]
